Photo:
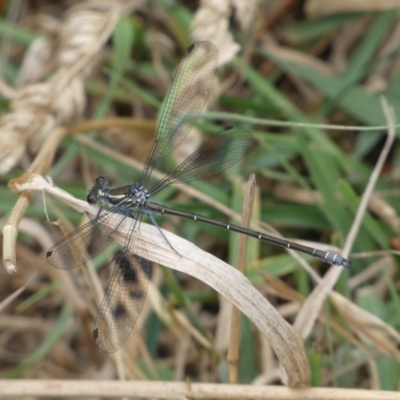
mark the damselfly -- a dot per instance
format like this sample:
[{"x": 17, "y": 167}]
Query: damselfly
[{"x": 127, "y": 289}]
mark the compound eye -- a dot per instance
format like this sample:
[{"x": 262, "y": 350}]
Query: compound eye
[
  {"x": 92, "y": 198},
  {"x": 101, "y": 181}
]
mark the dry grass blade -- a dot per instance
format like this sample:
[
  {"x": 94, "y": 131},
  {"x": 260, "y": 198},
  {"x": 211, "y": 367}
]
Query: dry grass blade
[
  {"x": 10, "y": 229},
  {"x": 211, "y": 22},
  {"x": 181, "y": 390},
  {"x": 39, "y": 107},
  {"x": 8, "y": 300},
  {"x": 234, "y": 343},
  {"x": 312, "y": 307},
  {"x": 232, "y": 284},
  {"x": 368, "y": 326}
]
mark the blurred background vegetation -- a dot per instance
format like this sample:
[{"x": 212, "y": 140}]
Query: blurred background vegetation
[{"x": 282, "y": 62}]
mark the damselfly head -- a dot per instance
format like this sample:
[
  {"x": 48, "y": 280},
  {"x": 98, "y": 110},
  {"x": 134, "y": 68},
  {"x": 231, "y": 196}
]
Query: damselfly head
[{"x": 97, "y": 190}]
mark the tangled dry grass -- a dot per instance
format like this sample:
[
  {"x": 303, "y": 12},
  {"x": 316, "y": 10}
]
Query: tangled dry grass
[{"x": 81, "y": 86}]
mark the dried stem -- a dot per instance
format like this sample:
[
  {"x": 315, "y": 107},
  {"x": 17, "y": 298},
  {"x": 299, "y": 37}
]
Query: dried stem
[{"x": 234, "y": 342}]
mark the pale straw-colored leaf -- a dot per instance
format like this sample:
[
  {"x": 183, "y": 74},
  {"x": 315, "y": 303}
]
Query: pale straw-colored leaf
[
  {"x": 38, "y": 108},
  {"x": 36, "y": 61},
  {"x": 228, "y": 281},
  {"x": 367, "y": 326},
  {"x": 245, "y": 11},
  {"x": 211, "y": 22}
]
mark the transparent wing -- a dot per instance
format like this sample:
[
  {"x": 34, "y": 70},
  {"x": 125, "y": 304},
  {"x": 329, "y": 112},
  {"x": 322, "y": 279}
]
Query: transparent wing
[
  {"x": 127, "y": 289},
  {"x": 81, "y": 245},
  {"x": 218, "y": 153},
  {"x": 123, "y": 301},
  {"x": 185, "y": 99}
]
